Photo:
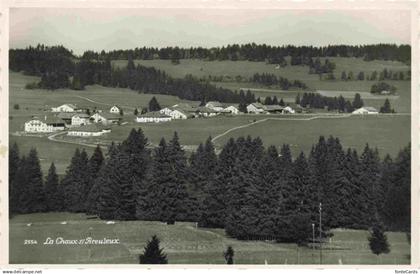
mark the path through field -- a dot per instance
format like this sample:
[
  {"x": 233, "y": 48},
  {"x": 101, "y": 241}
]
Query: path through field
[
  {"x": 280, "y": 119},
  {"x": 100, "y": 103}
]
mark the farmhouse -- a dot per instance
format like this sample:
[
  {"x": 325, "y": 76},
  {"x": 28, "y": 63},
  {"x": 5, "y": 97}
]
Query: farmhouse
[
  {"x": 206, "y": 112},
  {"x": 215, "y": 105},
  {"x": 273, "y": 108},
  {"x": 115, "y": 109},
  {"x": 166, "y": 111},
  {"x": 255, "y": 108},
  {"x": 66, "y": 108},
  {"x": 80, "y": 119},
  {"x": 105, "y": 118},
  {"x": 180, "y": 114},
  {"x": 288, "y": 109},
  {"x": 91, "y": 130},
  {"x": 50, "y": 124},
  {"x": 232, "y": 109},
  {"x": 153, "y": 117},
  {"x": 366, "y": 110}
]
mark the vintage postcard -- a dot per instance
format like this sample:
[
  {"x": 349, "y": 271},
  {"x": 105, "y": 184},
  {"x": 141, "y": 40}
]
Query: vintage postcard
[{"x": 209, "y": 135}]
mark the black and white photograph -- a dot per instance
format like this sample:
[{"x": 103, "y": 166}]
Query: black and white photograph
[{"x": 198, "y": 136}]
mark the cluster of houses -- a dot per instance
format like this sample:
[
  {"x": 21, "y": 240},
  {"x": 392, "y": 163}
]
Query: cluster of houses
[
  {"x": 211, "y": 109},
  {"x": 78, "y": 121}
]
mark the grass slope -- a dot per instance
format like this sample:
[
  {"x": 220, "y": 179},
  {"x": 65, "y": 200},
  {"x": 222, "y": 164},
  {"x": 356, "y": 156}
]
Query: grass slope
[
  {"x": 246, "y": 69},
  {"x": 183, "y": 243}
]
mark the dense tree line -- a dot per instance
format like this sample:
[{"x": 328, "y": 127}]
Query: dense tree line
[
  {"x": 271, "y": 80},
  {"x": 261, "y": 52},
  {"x": 252, "y": 191},
  {"x": 316, "y": 67},
  {"x": 385, "y": 74},
  {"x": 316, "y": 100},
  {"x": 77, "y": 75}
]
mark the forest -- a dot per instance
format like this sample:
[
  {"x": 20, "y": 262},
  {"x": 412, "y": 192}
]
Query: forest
[{"x": 252, "y": 191}]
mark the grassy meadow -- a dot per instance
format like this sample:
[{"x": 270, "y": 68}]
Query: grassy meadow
[
  {"x": 200, "y": 68},
  {"x": 183, "y": 243}
]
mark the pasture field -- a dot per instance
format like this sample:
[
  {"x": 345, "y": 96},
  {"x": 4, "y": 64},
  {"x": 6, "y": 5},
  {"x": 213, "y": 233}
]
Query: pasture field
[
  {"x": 201, "y": 68},
  {"x": 389, "y": 133},
  {"x": 183, "y": 243}
]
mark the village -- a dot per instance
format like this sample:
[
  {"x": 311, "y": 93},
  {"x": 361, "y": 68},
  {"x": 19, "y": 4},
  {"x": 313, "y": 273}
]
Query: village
[{"x": 93, "y": 122}]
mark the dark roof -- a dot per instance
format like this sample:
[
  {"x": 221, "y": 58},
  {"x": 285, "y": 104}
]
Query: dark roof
[
  {"x": 273, "y": 108},
  {"x": 215, "y": 103},
  {"x": 89, "y": 128},
  {"x": 109, "y": 116},
  {"x": 66, "y": 115},
  {"x": 206, "y": 109}
]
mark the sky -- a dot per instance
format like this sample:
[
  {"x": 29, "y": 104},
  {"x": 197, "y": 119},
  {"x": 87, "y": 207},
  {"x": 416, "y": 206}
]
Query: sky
[{"x": 109, "y": 29}]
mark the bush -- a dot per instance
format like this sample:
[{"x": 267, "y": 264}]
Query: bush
[
  {"x": 16, "y": 106},
  {"x": 31, "y": 86}
]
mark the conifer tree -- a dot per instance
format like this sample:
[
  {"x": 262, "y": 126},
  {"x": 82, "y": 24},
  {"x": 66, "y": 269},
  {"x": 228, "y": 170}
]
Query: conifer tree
[
  {"x": 54, "y": 200},
  {"x": 32, "y": 198},
  {"x": 378, "y": 241},
  {"x": 94, "y": 164},
  {"x": 229, "y": 254},
  {"x": 153, "y": 254},
  {"x": 357, "y": 102},
  {"x": 15, "y": 189},
  {"x": 154, "y": 105},
  {"x": 75, "y": 181}
]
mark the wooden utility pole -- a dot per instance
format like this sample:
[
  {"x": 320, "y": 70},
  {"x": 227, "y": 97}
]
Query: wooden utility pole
[{"x": 320, "y": 233}]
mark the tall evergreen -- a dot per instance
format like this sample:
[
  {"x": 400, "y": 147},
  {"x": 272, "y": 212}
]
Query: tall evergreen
[
  {"x": 154, "y": 105},
  {"x": 357, "y": 102},
  {"x": 75, "y": 181},
  {"x": 15, "y": 189},
  {"x": 54, "y": 199},
  {"x": 153, "y": 254},
  {"x": 94, "y": 164},
  {"x": 32, "y": 198}
]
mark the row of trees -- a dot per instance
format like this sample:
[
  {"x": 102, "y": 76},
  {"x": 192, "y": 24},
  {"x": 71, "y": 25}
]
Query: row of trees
[
  {"x": 261, "y": 52},
  {"x": 77, "y": 75},
  {"x": 316, "y": 100},
  {"x": 374, "y": 76},
  {"x": 316, "y": 67},
  {"x": 380, "y": 87},
  {"x": 269, "y": 79},
  {"x": 251, "y": 191}
]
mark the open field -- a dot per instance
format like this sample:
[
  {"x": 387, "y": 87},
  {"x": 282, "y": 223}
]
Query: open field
[
  {"x": 182, "y": 242},
  {"x": 387, "y": 132},
  {"x": 202, "y": 68}
]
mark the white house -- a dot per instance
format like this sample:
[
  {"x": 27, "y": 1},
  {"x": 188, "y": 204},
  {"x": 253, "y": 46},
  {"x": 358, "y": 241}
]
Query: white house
[
  {"x": 215, "y": 105},
  {"x": 206, "y": 112},
  {"x": 232, "y": 109},
  {"x": 91, "y": 130},
  {"x": 366, "y": 110},
  {"x": 256, "y": 108},
  {"x": 80, "y": 119},
  {"x": 105, "y": 118},
  {"x": 115, "y": 109},
  {"x": 48, "y": 125},
  {"x": 153, "y": 117},
  {"x": 166, "y": 111},
  {"x": 288, "y": 109},
  {"x": 179, "y": 114},
  {"x": 65, "y": 108}
]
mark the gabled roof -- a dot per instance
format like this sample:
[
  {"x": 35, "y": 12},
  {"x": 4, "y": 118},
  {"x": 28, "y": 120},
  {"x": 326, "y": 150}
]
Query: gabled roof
[
  {"x": 258, "y": 105},
  {"x": 273, "y": 108},
  {"x": 186, "y": 113},
  {"x": 81, "y": 115},
  {"x": 183, "y": 106},
  {"x": 206, "y": 110},
  {"x": 89, "y": 128},
  {"x": 371, "y": 109},
  {"x": 66, "y": 115},
  {"x": 156, "y": 114},
  {"x": 108, "y": 116},
  {"x": 215, "y": 103}
]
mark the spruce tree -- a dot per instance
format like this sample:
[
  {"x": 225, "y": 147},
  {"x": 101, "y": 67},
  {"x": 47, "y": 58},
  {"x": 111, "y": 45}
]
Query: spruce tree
[
  {"x": 154, "y": 105},
  {"x": 54, "y": 201},
  {"x": 378, "y": 241},
  {"x": 75, "y": 181},
  {"x": 32, "y": 198},
  {"x": 229, "y": 254},
  {"x": 94, "y": 164},
  {"x": 15, "y": 189},
  {"x": 357, "y": 102},
  {"x": 153, "y": 254}
]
